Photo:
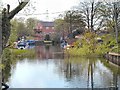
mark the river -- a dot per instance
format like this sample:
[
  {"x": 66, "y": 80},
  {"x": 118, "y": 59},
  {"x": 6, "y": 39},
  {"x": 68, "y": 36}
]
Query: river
[{"x": 50, "y": 69}]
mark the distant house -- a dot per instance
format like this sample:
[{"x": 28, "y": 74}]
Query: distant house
[{"x": 44, "y": 28}]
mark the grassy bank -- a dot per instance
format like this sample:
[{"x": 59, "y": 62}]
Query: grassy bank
[
  {"x": 85, "y": 52},
  {"x": 12, "y": 55},
  {"x": 18, "y": 53},
  {"x": 89, "y": 46}
]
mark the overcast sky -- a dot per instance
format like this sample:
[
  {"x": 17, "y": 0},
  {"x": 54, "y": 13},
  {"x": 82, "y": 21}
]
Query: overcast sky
[{"x": 42, "y": 6}]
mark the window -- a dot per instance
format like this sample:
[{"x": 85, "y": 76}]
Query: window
[
  {"x": 52, "y": 27},
  {"x": 47, "y": 27},
  {"x": 39, "y": 32},
  {"x": 40, "y": 27}
]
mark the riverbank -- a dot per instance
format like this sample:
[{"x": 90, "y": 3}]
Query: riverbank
[
  {"x": 84, "y": 52},
  {"x": 80, "y": 52},
  {"x": 12, "y": 55}
]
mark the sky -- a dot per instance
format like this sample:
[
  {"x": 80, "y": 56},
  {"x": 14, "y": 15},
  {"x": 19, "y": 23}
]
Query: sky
[{"x": 52, "y": 7}]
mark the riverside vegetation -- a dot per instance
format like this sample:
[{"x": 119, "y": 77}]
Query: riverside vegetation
[{"x": 89, "y": 45}]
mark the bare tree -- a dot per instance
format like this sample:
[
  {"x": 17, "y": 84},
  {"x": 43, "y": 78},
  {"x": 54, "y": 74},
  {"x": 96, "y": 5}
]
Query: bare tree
[
  {"x": 5, "y": 29},
  {"x": 111, "y": 14},
  {"x": 85, "y": 9},
  {"x": 90, "y": 11},
  {"x": 75, "y": 20}
]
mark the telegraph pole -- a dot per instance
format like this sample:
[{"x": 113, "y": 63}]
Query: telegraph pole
[{"x": 116, "y": 23}]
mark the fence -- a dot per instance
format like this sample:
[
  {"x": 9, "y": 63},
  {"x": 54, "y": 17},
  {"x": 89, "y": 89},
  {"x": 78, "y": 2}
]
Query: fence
[{"x": 113, "y": 57}]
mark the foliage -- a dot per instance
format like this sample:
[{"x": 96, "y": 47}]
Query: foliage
[
  {"x": 90, "y": 39},
  {"x": 30, "y": 25},
  {"x": 86, "y": 46},
  {"x": 100, "y": 16},
  {"x": 23, "y": 53},
  {"x": 13, "y": 35},
  {"x": 20, "y": 28},
  {"x": 6, "y": 61},
  {"x": 10, "y": 56},
  {"x": 75, "y": 19},
  {"x": 116, "y": 47},
  {"x": 14, "y": 54},
  {"x": 89, "y": 46},
  {"x": 47, "y": 37},
  {"x": 60, "y": 25},
  {"x": 56, "y": 38}
]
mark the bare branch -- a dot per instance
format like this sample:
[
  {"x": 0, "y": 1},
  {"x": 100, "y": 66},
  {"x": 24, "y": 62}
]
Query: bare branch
[{"x": 17, "y": 9}]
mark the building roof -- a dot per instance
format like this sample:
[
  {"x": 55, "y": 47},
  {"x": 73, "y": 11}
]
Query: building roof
[{"x": 47, "y": 24}]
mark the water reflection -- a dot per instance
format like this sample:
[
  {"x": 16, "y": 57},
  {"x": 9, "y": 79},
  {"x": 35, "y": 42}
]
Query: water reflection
[
  {"x": 88, "y": 73},
  {"x": 49, "y": 70},
  {"x": 48, "y": 52}
]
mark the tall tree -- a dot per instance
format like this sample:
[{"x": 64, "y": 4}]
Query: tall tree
[
  {"x": 90, "y": 11},
  {"x": 75, "y": 20},
  {"x": 60, "y": 25},
  {"x": 21, "y": 29},
  {"x": 30, "y": 24},
  {"x": 13, "y": 35},
  {"x": 61, "y": 29},
  {"x": 111, "y": 15}
]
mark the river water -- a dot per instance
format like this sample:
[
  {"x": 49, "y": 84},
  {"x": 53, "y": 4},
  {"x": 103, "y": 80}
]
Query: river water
[{"x": 50, "y": 69}]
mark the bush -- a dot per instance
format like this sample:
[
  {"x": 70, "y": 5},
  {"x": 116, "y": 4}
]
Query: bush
[{"x": 90, "y": 47}]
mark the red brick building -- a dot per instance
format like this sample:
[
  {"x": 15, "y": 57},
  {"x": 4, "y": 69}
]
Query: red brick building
[{"x": 43, "y": 28}]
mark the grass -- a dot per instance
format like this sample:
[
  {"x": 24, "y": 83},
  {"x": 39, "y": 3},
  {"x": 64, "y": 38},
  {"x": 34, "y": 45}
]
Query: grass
[
  {"x": 74, "y": 52},
  {"x": 12, "y": 55},
  {"x": 87, "y": 51},
  {"x": 88, "y": 46},
  {"x": 23, "y": 53}
]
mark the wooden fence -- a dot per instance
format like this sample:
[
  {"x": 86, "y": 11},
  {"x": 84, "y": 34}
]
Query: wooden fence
[{"x": 113, "y": 57}]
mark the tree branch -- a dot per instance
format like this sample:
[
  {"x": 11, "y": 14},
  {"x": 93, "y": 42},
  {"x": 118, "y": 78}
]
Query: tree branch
[{"x": 17, "y": 9}]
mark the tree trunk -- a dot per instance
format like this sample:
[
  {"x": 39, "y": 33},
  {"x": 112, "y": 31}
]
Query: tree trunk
[
  {"x": 88, "y": 20},
  {"x": 116, "y": 22},
  {"x": 5, "y": 28},
  {"x": 92, "y": 16},
  {"x": 0, "y": 47}
]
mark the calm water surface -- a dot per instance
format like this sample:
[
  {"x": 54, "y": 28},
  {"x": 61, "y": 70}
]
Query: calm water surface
[{"x": 49, "y": 69}]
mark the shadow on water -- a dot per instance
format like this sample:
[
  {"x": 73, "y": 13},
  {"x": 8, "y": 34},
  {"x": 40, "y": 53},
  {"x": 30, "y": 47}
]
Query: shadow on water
[{"x": 45, "y": 67}]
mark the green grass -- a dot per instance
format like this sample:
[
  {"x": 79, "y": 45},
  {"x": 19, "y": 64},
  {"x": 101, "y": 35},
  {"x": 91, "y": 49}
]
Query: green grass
[
  {"x": 12, "y": 55},
  {"x": 88, "y": 46},
  {"x": 23, "y": 53},
  {"x": 74, "y": 52}
]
